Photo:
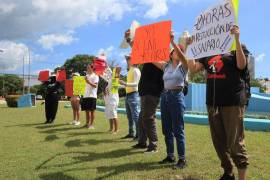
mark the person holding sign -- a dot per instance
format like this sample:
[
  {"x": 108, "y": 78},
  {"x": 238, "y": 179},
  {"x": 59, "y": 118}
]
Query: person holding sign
[
  {"x": 111, "y": 97},
  {"x": 132, "y": 98},
  {"x": 75, "y": 104},
  {"x": 172, "y": 104},
  {"x": 90, "y": 96},
  {"x": 53, "y": 89},
  {"x": 150, "y": 88},
  {"x": 225, "y": 99}
]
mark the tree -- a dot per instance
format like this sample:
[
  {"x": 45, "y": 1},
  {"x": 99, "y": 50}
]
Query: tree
[
  {"x": 256, "y": 83},
  {"x": 10, "y": 84},
  {"x": 77, "y": 63},
  {"x": 197, "y": 77}
]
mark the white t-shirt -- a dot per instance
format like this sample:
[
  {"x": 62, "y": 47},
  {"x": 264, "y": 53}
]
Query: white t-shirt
[{"x": 90, "y": 91}]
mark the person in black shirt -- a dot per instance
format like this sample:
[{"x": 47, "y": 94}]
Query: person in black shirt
[
  {"x": 225, "y": 99},
  {"x": 53, "y": 88},
  {"x": 150, "y": 89}
]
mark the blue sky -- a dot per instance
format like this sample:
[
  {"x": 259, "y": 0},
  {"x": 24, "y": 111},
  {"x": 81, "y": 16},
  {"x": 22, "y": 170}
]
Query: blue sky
[{"x": 55, "y": 30}]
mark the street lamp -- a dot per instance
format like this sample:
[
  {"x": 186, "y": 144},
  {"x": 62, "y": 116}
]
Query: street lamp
[{"x": 3, "y": 85}]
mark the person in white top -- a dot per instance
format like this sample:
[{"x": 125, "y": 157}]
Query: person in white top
[{"x": 90, "y": 96}]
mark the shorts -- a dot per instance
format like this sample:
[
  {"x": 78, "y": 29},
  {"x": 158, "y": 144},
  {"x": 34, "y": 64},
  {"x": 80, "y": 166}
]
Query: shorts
[
  {"x": 111, "y": 105},
  {"x": 88, "y": 104}
]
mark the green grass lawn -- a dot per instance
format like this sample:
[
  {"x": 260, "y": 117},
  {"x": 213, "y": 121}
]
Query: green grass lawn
[{"x": 31, "y": 150}]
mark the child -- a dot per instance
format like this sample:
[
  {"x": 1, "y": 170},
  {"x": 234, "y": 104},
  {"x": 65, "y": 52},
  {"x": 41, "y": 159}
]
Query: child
[
  {"x": 111, "y": 97},
  {"x": 75, "y": 104},
  {"x": 90, "y": 97}
]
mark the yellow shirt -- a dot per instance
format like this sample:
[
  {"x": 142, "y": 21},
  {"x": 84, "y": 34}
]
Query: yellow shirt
[{"x": 133, "y": 78}]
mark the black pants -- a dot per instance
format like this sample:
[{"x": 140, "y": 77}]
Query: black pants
[
  {"x": 147, "y": 121},
  {"x": 51, "y": 106}
]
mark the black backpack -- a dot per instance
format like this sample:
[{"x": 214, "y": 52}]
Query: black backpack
[
  {"x": 185, "y": 90},
  {"x": 245, "y": 76}
]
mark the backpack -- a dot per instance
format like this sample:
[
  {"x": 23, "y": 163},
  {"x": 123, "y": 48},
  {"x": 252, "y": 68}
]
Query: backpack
[
  {"x": 245, "y": 76},
  {"x": 185, "y": 89}
]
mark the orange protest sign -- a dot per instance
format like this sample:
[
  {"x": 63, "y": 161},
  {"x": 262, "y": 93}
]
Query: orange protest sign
[
  {"x": 151, "y": 43},
  {"x": 69, "y": 88},
  {"x": 61, "y": 75},
  {"x": 43, "y": 75}
]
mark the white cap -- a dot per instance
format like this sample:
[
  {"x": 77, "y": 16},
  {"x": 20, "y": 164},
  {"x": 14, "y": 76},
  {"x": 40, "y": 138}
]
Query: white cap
[{"x": 102, "y": 56}]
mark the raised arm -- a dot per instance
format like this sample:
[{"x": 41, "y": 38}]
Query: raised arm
[
  {"x": 240, "y": 56},
  {"x": 179, "y": 52},
  {"x": 128, "y": 39},
  {"x": 160, "y": 65},
  {"x": 194, "y": 66}
]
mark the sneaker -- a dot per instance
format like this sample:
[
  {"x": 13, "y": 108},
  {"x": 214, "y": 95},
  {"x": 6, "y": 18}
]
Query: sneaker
[
  {"x": 151, "y": 150},
  {"x": 181, "y": 164},
  {"x": 72, "y": 122},
  {"x": 91, "y": 127},
  {"x": 135, "y": 138},
  {"x": 77, "y": 123},
  {"x": 139, "y": 146},
  {"x": 167, "y": 160},
  {"x": 227, "y": 177},
  {"x": 128, "y": 136}
]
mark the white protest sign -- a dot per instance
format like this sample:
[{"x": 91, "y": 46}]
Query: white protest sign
[
  {"x": 211, "y": 33},
  {"x": 134, "y": 25}
]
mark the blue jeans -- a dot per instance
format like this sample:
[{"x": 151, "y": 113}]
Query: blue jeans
[
  {"x": 172, "y": 111},
  {"x": 132, "y": 109}
]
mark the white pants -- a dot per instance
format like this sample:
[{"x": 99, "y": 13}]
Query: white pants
[{"x": 111, "y": 105}]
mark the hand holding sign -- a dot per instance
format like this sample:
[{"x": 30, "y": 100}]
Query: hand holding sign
[{"x": 152, "y": 43}]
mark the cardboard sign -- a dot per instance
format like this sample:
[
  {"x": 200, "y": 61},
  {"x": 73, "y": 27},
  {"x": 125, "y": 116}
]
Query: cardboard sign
[
  {"x": 43, "y": 76},
  {"x": 99, "y": 66},
  {"x": 61, "y": 75},
  {"x": 79, "y": 85},
  {"x": 69, "y": 88},
  {"x": 211, "y": 33},
  {"x": 151, "y": 43}
]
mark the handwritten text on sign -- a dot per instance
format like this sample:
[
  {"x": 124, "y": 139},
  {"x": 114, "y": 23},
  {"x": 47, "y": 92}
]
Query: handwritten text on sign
[
  {"x": 151, "y": 43},
  {"x": 79, "y": 85},
  {"x": 211, "y": 33}
]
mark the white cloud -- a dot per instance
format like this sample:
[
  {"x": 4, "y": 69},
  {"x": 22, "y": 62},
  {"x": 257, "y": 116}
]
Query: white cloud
[
  {"x": 6, "y": 8},
  {"x": 32, "y": 17},
  {"x": 260, "y": 57},
  {"x": 49, "y": 41},
  {"x": 157, "y": 8},
  {"x": 12, "y": 56}
]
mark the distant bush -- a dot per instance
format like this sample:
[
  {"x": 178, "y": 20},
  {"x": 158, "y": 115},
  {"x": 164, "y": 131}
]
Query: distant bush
[{"x": 12, "y": 100}]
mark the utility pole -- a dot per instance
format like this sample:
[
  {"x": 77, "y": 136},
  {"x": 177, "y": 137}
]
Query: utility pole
[
  {"x": 3, "y": 82},
  {"x": 29, "y": 70},
  {"x": 23, "y": 74}
]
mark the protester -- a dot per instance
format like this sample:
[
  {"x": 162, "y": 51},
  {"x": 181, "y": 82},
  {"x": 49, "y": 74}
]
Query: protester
[
  {"x": 75, "y": 104},
  {"x": 111, "y": 97},
  {"x": 172, "y": 104},
  {"x": 150, "y": 88},
  {"x": 132, "y": 100},
  {"x": 90, "y": 97},
  {"x": 53, "y": 88},
  {"x": 225, "y": 99}
]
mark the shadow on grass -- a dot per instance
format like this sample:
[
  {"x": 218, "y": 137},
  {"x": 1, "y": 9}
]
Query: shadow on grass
[
  {"x": 117, "y": 170},
  {"x": 78, "y": 142},
  {"x": 81, "y": 157},
  {"x": 57, "y": 175},
  {"x": 52, "y": 137}
]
